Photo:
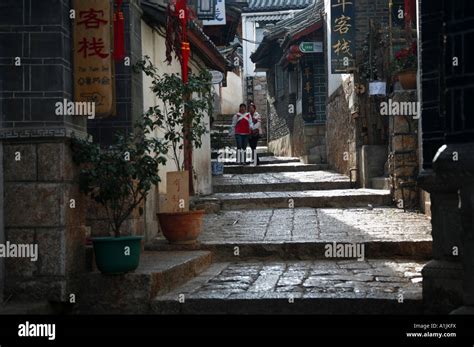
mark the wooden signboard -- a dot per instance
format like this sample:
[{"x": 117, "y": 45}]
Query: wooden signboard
[
  {"x": 342, "y": 36},
  {"x": 93, "y": 62},
  {"x": 177, "y": 192}
]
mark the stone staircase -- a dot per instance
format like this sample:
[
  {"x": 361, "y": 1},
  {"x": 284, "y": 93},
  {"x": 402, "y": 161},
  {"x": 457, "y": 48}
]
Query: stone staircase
[
  {"x": 131, "y": 293},
  {"x": 269, "y": 232},
  {"x": 263, "y": 250}
]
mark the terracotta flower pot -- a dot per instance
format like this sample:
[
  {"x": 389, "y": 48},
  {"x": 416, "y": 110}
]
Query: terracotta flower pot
[
  {"x": 407, "y": 79},
  {"x": 181, "y": 227}
]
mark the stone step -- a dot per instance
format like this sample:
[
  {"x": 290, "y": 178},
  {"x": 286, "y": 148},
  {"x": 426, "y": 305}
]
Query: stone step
[
  {"x": 378, "y": 286},
  {"x": 265, "y": 160},
  {"x": 288, "y": 181},
  {"x": 230, "y": 142},
  {"x": 303, "y": 250},
  {"x": 158, "y": 273},
  {"x": 380, "y": 183},
  {"x": 267, "y": 168},
  {"x": 304, "y": 233},
  {"x": 28, "y": 308},
  {"x": 215, "y": 154},
  {"x": 223, "y": 118},
  {"x": 341, "y": 198}
]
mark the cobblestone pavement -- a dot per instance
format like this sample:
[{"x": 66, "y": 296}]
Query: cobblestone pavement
[
  {"x": 315, "y": 225},
  {"x": 280, "y": 177},
  {"x": 378, "y": 279}
]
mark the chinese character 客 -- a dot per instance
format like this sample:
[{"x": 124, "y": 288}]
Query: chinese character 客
[
  {"x": 91, "y": 19},
  {"x": 341, "y": 24}
]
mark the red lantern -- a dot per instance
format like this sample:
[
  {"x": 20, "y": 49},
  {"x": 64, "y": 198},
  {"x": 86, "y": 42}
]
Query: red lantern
[{"x": 295, "y": 49}]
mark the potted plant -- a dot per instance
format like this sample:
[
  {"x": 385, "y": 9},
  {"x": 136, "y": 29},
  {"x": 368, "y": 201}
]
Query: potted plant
[
  {"x": 405, "y": 64},
  {"x": 183, "y": 106},
  {"x": 118, "y": 178}
]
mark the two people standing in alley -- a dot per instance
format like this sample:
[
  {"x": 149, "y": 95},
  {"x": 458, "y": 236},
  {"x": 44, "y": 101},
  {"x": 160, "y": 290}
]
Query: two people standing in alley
[{"x": 247, "y": 128}]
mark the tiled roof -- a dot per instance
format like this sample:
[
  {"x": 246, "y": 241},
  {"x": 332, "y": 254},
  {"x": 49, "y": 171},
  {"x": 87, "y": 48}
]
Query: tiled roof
[
  {"x": 286, "y": 30},
  {"x": 276, "y": 5}
]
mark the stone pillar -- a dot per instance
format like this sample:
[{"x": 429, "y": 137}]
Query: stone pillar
[
  {"x": 448, "y": 280},
  {"x": 403, "y": 158},
  {"x": 43, "y": 207},
  {"x": 38, "y": 172}
]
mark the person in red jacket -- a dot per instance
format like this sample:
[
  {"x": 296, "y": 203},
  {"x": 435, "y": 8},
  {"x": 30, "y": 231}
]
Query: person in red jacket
[{"x": 242, "y": 126}]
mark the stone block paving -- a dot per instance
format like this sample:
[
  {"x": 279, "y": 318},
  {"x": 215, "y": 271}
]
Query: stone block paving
[
  {"x": 315, "y": 225},
  {"x": 348, "y": 279}
]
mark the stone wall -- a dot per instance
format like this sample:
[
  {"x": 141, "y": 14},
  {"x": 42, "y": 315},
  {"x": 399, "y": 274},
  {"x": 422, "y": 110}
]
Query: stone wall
[
  {"x": 43, "y": 207},
  {"x": 403, "y": 156},
  {"x": 279, "y": 124},
  {"x": 340, "y": 133},
  {"x": 259, "y": 97}
]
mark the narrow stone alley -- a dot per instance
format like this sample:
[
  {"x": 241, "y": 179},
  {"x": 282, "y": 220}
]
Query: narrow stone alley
[{"x": 269, "y": 229}]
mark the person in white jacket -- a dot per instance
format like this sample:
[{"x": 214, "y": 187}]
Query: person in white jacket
[{"x": 256, "y": 131}]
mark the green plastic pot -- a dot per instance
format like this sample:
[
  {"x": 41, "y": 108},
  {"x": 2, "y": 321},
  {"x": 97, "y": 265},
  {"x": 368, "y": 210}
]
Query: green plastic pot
[{"x": 117, "y": 255}]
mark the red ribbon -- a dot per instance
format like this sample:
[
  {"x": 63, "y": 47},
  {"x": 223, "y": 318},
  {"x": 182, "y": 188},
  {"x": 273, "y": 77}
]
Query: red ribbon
[
  {"x": 186, "y": 52},
  {"x": 410, "y": 12},
  {"x": 119, "y": 32},
  {"x": 182, "y": 12}
]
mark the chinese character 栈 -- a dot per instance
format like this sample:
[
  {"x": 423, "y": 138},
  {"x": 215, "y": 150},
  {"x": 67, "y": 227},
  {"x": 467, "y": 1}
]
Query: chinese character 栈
[
  {"x": 342, "y": 47},
  {"x": 91, "y": 48}
]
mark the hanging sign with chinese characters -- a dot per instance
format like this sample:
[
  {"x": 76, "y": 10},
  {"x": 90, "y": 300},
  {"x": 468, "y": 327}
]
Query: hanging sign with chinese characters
[
  {"x": 93, "y": 64},
  {"x": 342, "y": 36},
  {"x": 249, "y": 87},
  {"x": 219, "y": 18},
  {"x": 309, "y": 113}
]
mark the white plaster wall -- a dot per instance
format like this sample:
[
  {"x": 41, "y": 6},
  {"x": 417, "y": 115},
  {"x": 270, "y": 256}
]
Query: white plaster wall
[
  {"x": 153, "y": 45},
  {"x": 232, "y": 95},
  {"x": 248, "y": 33}
]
